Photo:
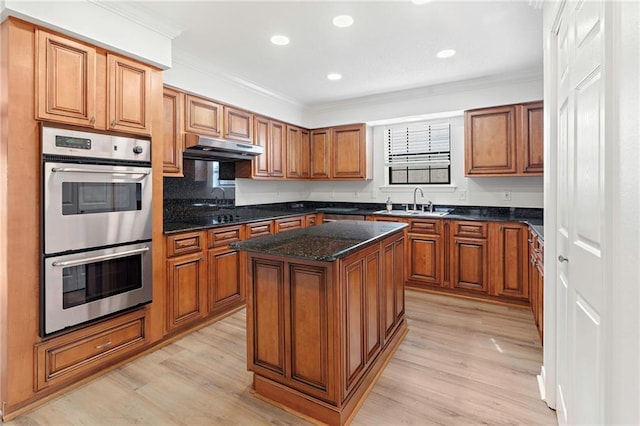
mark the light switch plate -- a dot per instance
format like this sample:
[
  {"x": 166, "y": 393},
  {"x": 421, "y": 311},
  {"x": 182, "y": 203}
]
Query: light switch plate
[{"x": 506, "y": 195}]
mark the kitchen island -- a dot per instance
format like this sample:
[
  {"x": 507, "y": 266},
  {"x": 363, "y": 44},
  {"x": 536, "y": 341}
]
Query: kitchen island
[{"x": 325, "y": 313}]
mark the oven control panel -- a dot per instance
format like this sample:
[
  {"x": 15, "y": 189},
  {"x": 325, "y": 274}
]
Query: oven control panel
[{"x": 75, "y": 143}]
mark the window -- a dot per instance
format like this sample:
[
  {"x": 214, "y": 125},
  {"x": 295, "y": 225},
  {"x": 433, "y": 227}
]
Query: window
[{"x": 418, "y": 153}]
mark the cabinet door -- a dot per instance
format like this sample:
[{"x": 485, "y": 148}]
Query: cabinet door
[
  {"x": 293, "y": 152},
  {"x": 319, "y": 147},
  {"x": 469, "y": 263},
  {"x": 129, "y": 95},
  {"x": 277, "y": 143},
  {"x": 392, "y": 286},
  {"x": 305, "y": 161},
  {"x": 348, "y": 152},
  {"x": 490, "y": 141},
  {"x": 261, "y": 137},
  {"x": 238, "y": 125},
  {"x": 203, "y": 116},
  {"x": 532, "y": 138},
  {"x": 508, "y": 262},
  {"x": 172, "y": 104},
  {"x": 226, "y": 289},
  {"x": 424, "y": 263},
  {"x": 66, "y": 80},
  {"x": 186, "y": 299}
]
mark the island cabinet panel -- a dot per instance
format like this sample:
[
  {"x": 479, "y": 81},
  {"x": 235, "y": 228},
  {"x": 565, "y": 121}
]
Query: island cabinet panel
[
  {"x": 266, "y": 312},
  {"x": 508, "y": 261},
  {"x": 309, "y": 304},
  {"x": 315, "y": 328}
]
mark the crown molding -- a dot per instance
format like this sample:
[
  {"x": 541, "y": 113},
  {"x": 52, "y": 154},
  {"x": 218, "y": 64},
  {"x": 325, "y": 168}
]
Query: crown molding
[
  {"x": 140, "y": 15},
  {"x": 487, "y": 82},
  {"x": 195, "y": 63}
]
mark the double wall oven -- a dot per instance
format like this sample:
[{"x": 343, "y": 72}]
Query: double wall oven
[{"x": 96, "y": 245}]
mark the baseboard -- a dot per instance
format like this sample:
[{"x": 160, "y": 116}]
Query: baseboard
[{"x": 541, "y": 379}]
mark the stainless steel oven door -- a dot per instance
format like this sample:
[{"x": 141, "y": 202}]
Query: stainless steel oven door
[
  {"x": 83, "y": 286},
  {"x": 88, "y": 205}
]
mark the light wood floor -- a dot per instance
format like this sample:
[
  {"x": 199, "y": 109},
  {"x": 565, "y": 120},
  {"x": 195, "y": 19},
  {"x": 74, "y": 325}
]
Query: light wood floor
[{"x": 463, "y": 362}]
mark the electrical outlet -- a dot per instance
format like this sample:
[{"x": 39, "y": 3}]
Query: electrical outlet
[
  {"x": 462, "y": 194},
  {"x": 506, "y": 195}
]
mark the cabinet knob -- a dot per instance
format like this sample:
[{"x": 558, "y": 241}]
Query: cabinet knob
[
  {"x": 562, "y": 259},
  {"x": 92, "y": 121},
  {"x": 114, "y": 122}
]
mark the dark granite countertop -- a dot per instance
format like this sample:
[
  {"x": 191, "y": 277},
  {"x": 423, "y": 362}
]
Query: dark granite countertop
[
  {"x": 190, "y": 221},
  {"x": 326, "y": 242}
]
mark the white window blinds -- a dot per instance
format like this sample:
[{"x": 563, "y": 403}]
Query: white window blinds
[{"x": 418, "y": 153}]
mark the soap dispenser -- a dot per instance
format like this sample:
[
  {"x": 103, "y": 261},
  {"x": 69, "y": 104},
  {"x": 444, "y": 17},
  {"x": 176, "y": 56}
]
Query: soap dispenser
[{"x": 389, "y": 204}]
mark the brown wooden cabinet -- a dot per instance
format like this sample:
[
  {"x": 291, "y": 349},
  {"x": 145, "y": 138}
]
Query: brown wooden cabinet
[
  {"x": 172, "y": 140},
  {"x": 349, "y": 154},
  {"x": 225, "y": 269},
  {"x": 237, "y": 124},
  {"x": 504, "y": 140},
  {"x": 271, "y": 135},
  {"x": 532, "y": 137},
  {"x": 508, "y": 268},
  {"x": 76, "y": 85},
  {"x": 186, "y": 279},
  {"x": 66, "y": 80},
  {"x": 297, "y": 153},
  {"x": 202, "y": 116},
  {"x": 469, "y": 256},
  {"x": 72, "y": 356},
  {"x": 318, "y": 333},
  {"x": 536, "y": 280},
  {"x": 340, "y": 153},
  {"x": 289, "y": 223},
  {"x": 425, "y": 260},
  {"x": 129, "y": 95}
]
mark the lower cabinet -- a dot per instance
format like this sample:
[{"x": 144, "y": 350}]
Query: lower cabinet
[
  {"x": 186, "y": 291},
  {"x": 485, "y": 259},
  {"x": 536, "y": 280},
  {"x": 224, "y": 266},
  {"x": 75, "y": 355}
]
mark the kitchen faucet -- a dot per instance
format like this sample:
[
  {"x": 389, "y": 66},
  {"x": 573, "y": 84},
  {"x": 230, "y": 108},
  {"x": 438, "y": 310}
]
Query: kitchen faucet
[
  {"x": 415, "y": 205},
  {"x": 221, "y": 189}
]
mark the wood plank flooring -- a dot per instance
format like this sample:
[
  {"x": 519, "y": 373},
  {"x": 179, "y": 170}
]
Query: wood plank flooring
[{"x": 463, "y": 362}]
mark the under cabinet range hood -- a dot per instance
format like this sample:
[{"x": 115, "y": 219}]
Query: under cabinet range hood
[{"x": 215, "y": 149}]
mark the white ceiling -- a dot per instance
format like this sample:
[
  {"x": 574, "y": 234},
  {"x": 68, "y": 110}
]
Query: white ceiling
[{"x": 391, "y": 46}]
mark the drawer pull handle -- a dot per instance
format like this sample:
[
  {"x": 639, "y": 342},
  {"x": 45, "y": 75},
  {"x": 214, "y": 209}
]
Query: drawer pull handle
[{"x": 104, "y": 345}]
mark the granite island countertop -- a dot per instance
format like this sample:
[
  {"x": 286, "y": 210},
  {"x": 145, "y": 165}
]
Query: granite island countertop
[{"x": 326, "y": 242}]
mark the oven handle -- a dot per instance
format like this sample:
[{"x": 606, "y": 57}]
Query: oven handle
[
  {"x": 110, "y": 172},
  {"x": 102, "y": 257}
]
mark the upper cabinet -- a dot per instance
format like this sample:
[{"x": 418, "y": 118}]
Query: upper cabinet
[
  {"x": 129, "y": 99},
  {"x": 340, "y": 153},
  {"x": 504, "y": 140},
  {"x": 66, "y": 80},
  {"x": 297, "y": 153},
  {"x": 76, "y": 85},
  {"x": 203, "y": 116},
  {"x": 238, "y": 125},
  {"x": 172, "y": 137}
]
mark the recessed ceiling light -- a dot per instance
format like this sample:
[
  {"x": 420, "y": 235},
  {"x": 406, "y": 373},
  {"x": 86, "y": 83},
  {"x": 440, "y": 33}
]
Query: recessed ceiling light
[
  {"x": 343, "y": 21},
  {"x": 280, "y": 40},
  {"x": 421, "y": 1},
  {"x": 334, "y": 76},
  {"x": 447, "y": 53}
]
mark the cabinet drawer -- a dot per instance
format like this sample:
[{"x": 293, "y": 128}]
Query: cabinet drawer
[
  {"x": 91, "y": 349},
  {"x": 425, "y": 226},
  {"x": 289, "y": 224},
  {"x": 189, "y": 242},
  {"x": 222, "y": 237},
  {"x": 470, "y": 229},
  {"x": 258, "y": 229}
]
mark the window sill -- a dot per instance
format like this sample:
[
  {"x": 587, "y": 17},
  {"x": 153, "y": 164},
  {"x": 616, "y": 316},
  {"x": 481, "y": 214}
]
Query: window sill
[{"x": 425, "y": 187}]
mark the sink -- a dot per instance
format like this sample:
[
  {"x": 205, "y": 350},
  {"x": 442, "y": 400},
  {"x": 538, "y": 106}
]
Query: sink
[{"x": 414, "y": 213}]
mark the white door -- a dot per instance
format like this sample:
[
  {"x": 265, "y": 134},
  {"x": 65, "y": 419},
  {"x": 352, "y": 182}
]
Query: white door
[{"x": 580, "y": 207}]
